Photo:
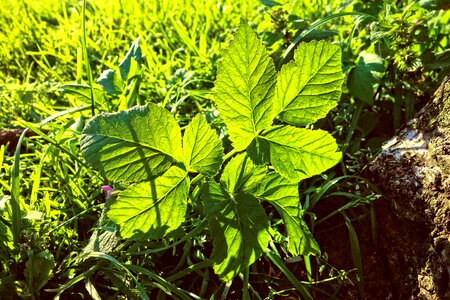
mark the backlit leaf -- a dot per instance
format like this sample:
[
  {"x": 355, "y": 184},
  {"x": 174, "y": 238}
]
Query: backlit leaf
[
  {"x": 238, "y": 226},
  {"x": 244, "y": 87},
  {"x": 237, "y": 221},
  {"x": 129, "y": 66},
  {"x": 308, "y": 87},
  {"x": 202, "y": 149},
  {"x": 111, "y": 82},
  {"x": 240, "y": 175},
  {"x": 132, "y": 145},
  {"x": 283, "y": 195},
  {"x": 299, "y": 153},
  {"x": 151, "y": 210}
]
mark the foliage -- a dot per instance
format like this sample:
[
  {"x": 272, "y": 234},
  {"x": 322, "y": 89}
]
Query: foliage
[
  {"x": 59, "y": 235},
  {"x": 144, "y": 145}
]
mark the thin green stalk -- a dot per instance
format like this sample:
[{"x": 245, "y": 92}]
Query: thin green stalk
[
  {"x": 245, "y": 282},
  {"x": 15, "y": 192},
  {"x": 353, "y": 124},
  {"x": 189, "y": 270},
  {"x": 86, "y": 57},
  {"x": 226, "y": 289},
  {"x": 314, "y": 26},
  {"x": 95, "y": 195},
  {"x": 163, "y": 282},
  {"x": 307, "y": 260},
  {"x": 275, "y": 258},
  {"x": 188, "y": 236},
  {"x": 356, "y": 255},
  {"x": 36, "y": 130}
]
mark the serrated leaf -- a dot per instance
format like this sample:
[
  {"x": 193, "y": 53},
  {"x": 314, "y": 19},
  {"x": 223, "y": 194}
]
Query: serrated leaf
[
  {"x": 299, "y": 153},
  {"x": 241, "y": 175},
  {"x": 202, "y": 149},
  {"x": 310, "y": 86},
  {"x": 363, "y": 79},
  {"x": 151, "y": 210},
  {"x": 130, "y": 62},
  {"x": 237, "y": 221},
  {"x": 132, "y": 145},
  {"x": 244, "y": 87},
  {"x": 283, "y": 195},
  {"x": 238, "y": 226}
]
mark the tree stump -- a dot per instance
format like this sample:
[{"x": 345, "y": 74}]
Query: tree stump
[{"x": 413, "y": 172}]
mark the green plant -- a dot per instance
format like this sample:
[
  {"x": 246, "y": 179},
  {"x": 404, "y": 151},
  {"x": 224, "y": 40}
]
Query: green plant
[{"x": 142, "y": 148}]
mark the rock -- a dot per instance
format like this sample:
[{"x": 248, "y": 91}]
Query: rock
[{"x": 413, "y": 171}]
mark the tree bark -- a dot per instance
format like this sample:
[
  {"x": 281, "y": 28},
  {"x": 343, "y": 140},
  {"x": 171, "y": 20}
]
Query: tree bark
[{"x": 413, "y": 171}]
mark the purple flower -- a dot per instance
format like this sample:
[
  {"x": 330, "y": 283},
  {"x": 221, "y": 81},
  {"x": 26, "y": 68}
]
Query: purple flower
[{"x": 109, "y": 190}]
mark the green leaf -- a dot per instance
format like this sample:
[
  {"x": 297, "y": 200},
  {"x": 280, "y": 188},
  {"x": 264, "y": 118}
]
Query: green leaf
[
  {"x": 363, "y": 79},
  {"x": 129, "y": 66},
  {"x": 308, "y": 87},
  {"x": 38, "y": 269},
  {"x": 238, "y": 226},
  {"x": 132, "y": 145},
  {"x": 283, "y": 195},
  {"x": 299, "y": 153},
  {"x": 6, "y": 237},
  {"x": 83, "y": 92},
  {"x": 110, "y": 82},
  {"x": 244, "y": 87},
  {"x": 3, "y": 199},
  {"x": 241, "y": 175},
  {"x": 104, "y": 238},
  {"x": 237, "y": 220},
  {"x": 151, "y": 210},
  {"x": 258, "y": 151},
  {"x": 202, "y": 149}
]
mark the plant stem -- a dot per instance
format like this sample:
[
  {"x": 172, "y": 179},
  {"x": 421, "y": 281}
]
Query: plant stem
[
  {"x": 15, "y": 192},
  {"x": 86, "y": 57},
  {"x": 188, "y": 236}
]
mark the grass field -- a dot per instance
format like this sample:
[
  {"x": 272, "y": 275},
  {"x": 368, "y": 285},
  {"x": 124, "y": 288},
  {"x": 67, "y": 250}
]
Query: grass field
[{"x": 53, "y": 232}]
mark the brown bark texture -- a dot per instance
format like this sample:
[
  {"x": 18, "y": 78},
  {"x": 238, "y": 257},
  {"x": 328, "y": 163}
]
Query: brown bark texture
[{"x": 413, "y": 172}]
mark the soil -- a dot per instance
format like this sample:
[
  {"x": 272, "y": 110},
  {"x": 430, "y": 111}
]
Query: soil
[
  {"x": 410, "y": 256},
  {"x": 413, "y": 171}
]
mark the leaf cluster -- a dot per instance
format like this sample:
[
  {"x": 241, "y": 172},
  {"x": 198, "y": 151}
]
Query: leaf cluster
[{"x": 262, "y": 109}]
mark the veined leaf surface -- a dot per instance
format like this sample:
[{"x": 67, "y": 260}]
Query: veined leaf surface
[
  {"x": 152, "y": 209},
  {"x": 308, "y": 87},
  {"x": 299, "y": 153},
  {"x": 237, "y": 220},
  {"x": 132, "y": 145},
  {"x": 241, "y": 175},
  {"x": 202, "y": 149},
  {"x": 244, "y": 87},
  {"x": 238, "y": 225},
  {"x": 283, "y": 195}
]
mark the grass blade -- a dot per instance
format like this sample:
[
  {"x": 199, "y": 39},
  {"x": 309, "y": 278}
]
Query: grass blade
[
  {"x": 317, "y": 24},
  {"x": 86, "y": 57},
  {"x": 276, "y": 259},
  {"x": 356, "y": 255},
  {"x": 15, "y": 192}
]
